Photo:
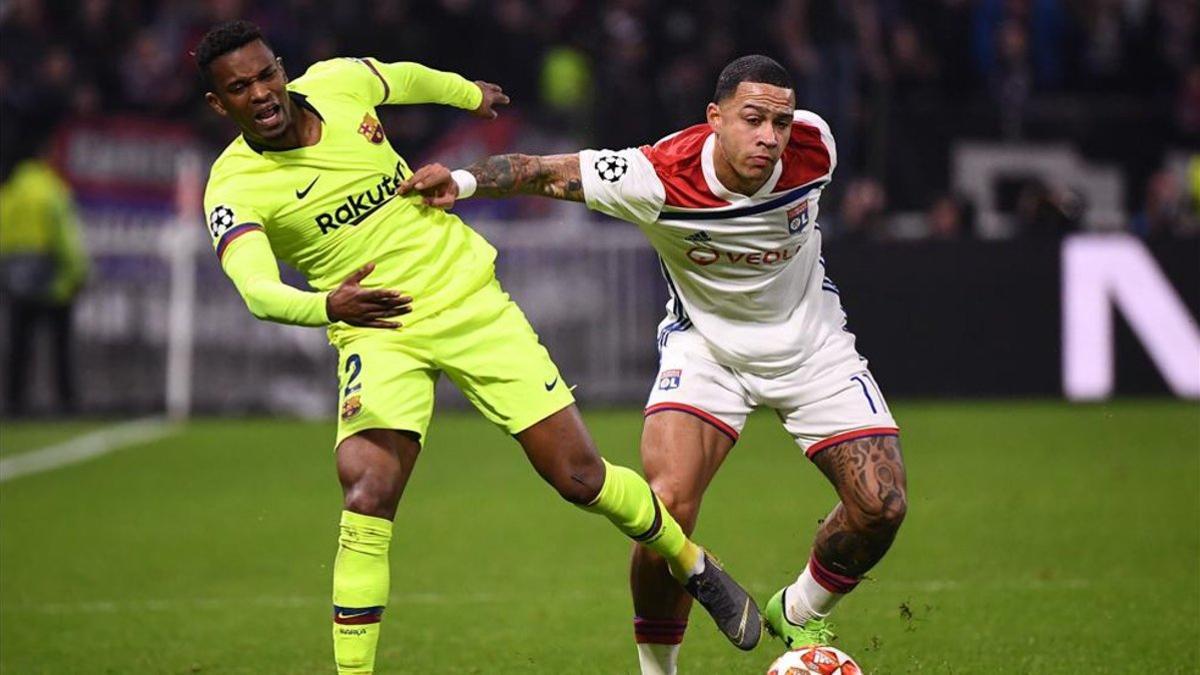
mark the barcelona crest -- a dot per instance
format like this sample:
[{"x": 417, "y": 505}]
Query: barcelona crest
[
  {"x": 371, "y": 129},
  {"x": 351, "y": 407}
]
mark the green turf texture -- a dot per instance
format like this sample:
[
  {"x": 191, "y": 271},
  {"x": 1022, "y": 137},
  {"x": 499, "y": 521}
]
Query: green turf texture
[{"x": 1041, "y": 538}]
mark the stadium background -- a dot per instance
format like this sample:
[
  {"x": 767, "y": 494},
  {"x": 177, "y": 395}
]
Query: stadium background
[{"x": 1002, "y": 164}]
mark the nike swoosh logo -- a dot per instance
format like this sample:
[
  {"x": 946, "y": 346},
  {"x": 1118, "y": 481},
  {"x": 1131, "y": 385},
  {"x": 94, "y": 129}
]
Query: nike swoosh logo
[
  {"x": 745, "y": 617},
  {"x": 343, "y": 616},
  {"x": 301, "y": 194},
  {"x": 552, "y": 384}
]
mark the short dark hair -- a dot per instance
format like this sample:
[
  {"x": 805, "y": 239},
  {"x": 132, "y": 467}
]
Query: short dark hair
[
  {"x": 752, "y": 68},
  {"x": 222, "y": 39}
]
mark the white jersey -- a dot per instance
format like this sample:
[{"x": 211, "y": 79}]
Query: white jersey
[{"x": 745, "y": 273}]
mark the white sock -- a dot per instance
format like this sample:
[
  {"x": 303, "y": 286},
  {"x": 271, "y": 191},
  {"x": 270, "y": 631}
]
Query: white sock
[
  {"x": 657, "y": 659},
  {"x": 806, "y": 599}
]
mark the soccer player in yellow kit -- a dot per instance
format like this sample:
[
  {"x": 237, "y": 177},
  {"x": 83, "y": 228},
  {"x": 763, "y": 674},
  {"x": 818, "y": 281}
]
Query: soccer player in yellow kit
[{"x": 312, "y": 181}]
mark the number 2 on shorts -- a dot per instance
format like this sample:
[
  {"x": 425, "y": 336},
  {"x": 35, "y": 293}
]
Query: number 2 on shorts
[{"x": 353, "y": 362}]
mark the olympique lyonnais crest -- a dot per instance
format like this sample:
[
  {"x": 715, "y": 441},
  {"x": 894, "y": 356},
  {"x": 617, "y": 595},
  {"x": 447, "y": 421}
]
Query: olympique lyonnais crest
[
  {"x": 669, "y": 379},
  {"x": 797, "y": 217},
  {"x": 371, "y": 129}
]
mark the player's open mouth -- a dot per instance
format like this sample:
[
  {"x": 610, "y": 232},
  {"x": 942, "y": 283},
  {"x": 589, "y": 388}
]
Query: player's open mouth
[{"x": 269, "y": 116}]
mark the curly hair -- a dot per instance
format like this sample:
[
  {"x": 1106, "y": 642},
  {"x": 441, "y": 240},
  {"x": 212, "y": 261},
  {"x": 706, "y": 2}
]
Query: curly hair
[
  {"x": 753, "y": 68},
  {"x": 222, "y": 39}
]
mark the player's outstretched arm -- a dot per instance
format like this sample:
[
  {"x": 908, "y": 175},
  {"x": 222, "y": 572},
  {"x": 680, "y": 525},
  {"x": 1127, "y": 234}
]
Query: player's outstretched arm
[
  {"x": 556, "y": 176},
  {"x": 407, "y": 83}
]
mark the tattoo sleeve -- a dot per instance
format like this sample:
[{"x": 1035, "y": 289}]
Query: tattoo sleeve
[
  {"x": 554, "y": 176},
  {"x": 868, "y": 474}
]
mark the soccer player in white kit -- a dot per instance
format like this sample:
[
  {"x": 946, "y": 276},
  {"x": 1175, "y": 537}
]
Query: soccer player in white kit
[{"x": 752, "y": 320}]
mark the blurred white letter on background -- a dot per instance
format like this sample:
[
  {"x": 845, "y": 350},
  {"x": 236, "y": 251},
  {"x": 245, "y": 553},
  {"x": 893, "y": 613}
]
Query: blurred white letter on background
[{"x": 1102, "y": 271}]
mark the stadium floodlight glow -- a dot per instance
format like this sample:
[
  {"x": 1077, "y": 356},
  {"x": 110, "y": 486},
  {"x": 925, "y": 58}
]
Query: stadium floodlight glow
[{"x": 1102, "y": 272}]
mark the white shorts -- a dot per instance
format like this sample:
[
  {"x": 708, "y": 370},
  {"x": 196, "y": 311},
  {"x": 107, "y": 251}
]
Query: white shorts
[{"x": 829, "y": 399}]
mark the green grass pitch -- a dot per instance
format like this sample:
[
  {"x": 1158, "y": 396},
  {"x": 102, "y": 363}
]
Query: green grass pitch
[{"x": 1041, "y": 538}]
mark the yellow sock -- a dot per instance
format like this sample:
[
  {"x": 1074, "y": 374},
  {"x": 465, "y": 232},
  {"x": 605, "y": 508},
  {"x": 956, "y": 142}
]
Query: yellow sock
[
  {"x": 360, "y": 591},
  {"x": 627, "y": 500}
]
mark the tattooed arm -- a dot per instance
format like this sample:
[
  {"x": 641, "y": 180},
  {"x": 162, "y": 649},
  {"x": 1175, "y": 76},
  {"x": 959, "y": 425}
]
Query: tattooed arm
[
  {"x": 554, "y": 176},
  {"x": 623, "y": 184}
]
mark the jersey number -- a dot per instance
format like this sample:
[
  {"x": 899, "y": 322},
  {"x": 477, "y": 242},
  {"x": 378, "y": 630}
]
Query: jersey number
[{"x": 353, "y": 363}]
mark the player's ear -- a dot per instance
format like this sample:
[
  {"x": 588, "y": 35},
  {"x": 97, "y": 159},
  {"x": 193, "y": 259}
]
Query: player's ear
[
  {"x": 215, "y": 103},
  {"x": 713, "y": 114},
  {"x": 282, "y": 70}
]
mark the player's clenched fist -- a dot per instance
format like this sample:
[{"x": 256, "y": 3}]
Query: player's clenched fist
[{"x": 367, "y": 307}]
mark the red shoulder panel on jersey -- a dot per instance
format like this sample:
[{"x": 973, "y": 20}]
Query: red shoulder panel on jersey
[
  {"x": 676, "y": 160},
  {"x": 805, "y": 158}
]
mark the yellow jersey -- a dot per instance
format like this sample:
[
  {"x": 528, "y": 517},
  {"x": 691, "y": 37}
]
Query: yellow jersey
[{"x": 332, "y": 207}]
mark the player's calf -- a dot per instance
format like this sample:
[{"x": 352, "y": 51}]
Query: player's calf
[
  {"x": 627, "y": 501},
  {"x": 661, "y": 605},
  {"x": 869, "y": 476}
]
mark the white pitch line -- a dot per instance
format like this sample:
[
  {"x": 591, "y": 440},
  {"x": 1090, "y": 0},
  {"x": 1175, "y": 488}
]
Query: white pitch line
[{"x": 85, "y": 447}]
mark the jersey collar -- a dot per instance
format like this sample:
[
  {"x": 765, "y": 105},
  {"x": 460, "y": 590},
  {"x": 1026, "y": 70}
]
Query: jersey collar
[
  {"x": 300, "y": 100},
  {"x": 718, "y": 189}
]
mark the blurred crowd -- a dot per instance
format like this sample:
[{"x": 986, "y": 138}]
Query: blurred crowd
[{"x": 898, "y": 80}]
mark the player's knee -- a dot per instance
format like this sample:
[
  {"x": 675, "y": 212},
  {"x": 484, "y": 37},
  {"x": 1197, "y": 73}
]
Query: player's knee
[
  {"x": 884, "y": 513},
  {"x": 894, "y": 511},
  {"x": 684, "y": 507},
  {"x": 372, "y": 497},
  {"x": 580, "y": 482}
]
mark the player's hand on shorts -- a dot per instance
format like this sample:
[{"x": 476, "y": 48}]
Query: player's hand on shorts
[
  {"x": 435, "y": 185},
  {"x": 367, "y": 307},
  {"x": 493, "y": 96}
]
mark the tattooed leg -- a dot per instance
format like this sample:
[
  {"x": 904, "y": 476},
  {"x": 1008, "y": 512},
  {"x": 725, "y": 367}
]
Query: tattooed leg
[{"x": 868, "y": 474}]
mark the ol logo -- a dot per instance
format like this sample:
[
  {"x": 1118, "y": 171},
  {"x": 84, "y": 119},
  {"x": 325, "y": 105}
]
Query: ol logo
[
  {"x": 371, "y": 129},
  {"x": 797, "y": 217},
  {"x": 669, "y": 379}
]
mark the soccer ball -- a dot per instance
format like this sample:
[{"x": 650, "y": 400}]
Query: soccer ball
[{"x": 815, "y": 660}]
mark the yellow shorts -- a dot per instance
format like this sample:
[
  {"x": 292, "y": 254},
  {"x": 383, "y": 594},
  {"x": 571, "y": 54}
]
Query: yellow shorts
[{"x": 484, "y": 344}]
